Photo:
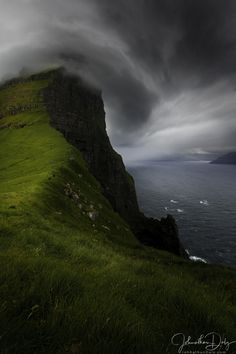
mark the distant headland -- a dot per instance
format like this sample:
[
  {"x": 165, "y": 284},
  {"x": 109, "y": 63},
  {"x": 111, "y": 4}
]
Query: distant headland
[{"x": 227, "y": 159}]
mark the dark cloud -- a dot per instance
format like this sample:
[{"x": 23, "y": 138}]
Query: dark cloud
[
  {"x": 166, "y": 68},
  {"x": 207, "y": 47},
  {"x": 168, "y": 36},
  {"x": 131, "y": 101}
]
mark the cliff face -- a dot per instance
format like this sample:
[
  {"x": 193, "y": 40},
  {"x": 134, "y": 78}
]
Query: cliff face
[{"x": 77, "y": 111}]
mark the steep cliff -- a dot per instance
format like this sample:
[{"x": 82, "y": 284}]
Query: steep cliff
[{"x": 77, "y": 111}]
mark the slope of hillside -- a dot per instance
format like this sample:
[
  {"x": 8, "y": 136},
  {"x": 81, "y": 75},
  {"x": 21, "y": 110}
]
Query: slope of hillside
[{"x": 73, "y": 276}]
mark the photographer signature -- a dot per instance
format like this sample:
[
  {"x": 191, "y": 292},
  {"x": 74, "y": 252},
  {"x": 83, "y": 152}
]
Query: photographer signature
[{"x": 211, "y": 342}]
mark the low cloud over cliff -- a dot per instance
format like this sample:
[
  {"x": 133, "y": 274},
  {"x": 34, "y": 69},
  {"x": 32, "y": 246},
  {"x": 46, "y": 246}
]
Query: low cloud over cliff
[{"x": 166, "y": 68}]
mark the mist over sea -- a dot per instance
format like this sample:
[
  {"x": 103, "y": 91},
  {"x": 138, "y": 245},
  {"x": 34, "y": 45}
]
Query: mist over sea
[{"x": 202, "y": 198}]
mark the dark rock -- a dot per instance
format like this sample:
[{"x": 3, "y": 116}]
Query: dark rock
[
  {"x": 161, "y": 234},
  {"x": 77, "y": 111}
]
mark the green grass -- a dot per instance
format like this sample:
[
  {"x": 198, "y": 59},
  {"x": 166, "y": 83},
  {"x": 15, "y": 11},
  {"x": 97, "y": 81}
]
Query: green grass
[
  {"x": 71, "y": 284},
  {"x": 22, "y": 95}
]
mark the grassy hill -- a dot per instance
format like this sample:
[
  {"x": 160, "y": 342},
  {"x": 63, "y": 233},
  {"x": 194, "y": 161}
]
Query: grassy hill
[{"x": 73, "y": 277}]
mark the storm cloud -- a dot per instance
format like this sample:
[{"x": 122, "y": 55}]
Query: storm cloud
[{"x": 166, "y": 68}]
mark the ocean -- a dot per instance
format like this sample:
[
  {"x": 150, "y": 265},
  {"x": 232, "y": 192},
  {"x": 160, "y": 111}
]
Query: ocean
[{"x": 201, "y": 197}]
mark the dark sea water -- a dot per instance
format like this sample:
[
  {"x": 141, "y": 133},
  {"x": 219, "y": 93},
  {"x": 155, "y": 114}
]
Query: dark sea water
[{"x": 202, "y": 198}]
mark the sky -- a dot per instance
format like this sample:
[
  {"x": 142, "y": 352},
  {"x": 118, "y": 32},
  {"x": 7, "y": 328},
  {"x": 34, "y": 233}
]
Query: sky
[{"x": 166, "y": 68}]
